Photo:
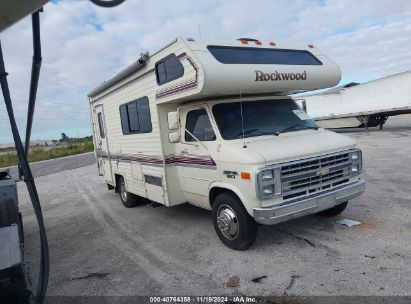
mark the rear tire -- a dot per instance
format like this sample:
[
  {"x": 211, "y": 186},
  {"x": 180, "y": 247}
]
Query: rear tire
[
  {"x": 128, "y": 199},
  {"x": 334, "y": 211},
  {"x": 233, "y": 225}
]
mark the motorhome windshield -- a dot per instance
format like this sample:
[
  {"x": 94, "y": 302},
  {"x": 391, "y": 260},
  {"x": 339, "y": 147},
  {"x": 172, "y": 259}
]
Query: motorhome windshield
[
  {"x": 263, "y": 117},
  {"x": 247, "y": 55}
]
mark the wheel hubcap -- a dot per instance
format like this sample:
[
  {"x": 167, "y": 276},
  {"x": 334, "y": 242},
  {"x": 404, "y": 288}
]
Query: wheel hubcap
[
  {"x": 123, "y": 191},
  {"x": 227, "y": 222}
]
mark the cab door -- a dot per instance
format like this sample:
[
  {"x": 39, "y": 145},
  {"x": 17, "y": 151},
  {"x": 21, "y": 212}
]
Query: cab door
[
  {"x": 102, "y": 150},
  {"x": 197, "y": 153}
]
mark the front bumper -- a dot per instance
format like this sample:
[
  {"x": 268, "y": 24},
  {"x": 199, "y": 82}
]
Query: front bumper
[{"x": 309, "y": 204}]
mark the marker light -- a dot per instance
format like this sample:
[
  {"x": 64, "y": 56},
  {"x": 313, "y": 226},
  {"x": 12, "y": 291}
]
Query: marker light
[{"x": 245, "y": 175}]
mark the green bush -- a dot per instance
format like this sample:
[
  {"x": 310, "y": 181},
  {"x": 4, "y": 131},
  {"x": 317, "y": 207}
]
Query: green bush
[{"x": 8, "y": 159}]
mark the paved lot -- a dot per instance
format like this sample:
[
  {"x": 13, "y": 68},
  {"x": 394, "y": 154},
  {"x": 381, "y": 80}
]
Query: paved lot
[
  {"x": 51, "y": 166},
  {"x": 99, "y": 247}
]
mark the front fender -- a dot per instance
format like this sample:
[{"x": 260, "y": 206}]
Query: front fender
[{"x": 248, "y": 202}]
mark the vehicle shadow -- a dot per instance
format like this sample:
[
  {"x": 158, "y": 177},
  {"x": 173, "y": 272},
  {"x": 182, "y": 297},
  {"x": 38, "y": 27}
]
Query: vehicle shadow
[{"x": 306, "y": 230}]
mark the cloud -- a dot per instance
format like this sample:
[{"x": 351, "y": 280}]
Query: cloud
[{"x": 84, "y": 45}]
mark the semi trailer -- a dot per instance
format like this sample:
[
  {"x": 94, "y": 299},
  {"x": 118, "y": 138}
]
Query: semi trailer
[{"x": 362, "y": 105}]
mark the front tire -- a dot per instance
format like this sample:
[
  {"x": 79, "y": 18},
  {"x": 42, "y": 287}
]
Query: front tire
[
  {"x": 334, "y": 211},
  {"x": 233, "y": 225},
  {"x": 128, "y": 199}
]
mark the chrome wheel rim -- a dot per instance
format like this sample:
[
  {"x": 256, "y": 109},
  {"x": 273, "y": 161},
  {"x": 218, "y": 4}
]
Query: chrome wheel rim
[
  {"x": 227, "y": 222},
  {"x": 123, "y": 192}
]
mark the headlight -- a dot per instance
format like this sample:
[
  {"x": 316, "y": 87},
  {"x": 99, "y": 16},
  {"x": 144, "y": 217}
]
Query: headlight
[
  {"x": 269, "y": 183},
  {"x": 267, "y": 175},
  {"x": 356, "y": 160},
  {"x": 268, "y": 190}
]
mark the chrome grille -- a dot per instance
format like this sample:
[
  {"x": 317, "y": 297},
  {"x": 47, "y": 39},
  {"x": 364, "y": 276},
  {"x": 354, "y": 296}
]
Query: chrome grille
[{"x": 304, "y": 177}]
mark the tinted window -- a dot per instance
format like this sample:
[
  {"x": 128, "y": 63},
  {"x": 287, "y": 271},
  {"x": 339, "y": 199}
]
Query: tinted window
[
  {"x": 243, "y": 55},
  {"x": 101, "y": 125},
  {"x": 124, "y": 118},
  {"x": 161, "y": 72},
  {"x": 169, "y": 69},
  {"x": 144, "y": 117},
  {"x": 135, "y": 116},
  {"x": 263, "y": 117},
  {"x": 199, "y": 125}
]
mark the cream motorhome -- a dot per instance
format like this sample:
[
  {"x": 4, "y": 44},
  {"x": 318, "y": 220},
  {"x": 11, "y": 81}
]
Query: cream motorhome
[{"x": 210, "y": 123}]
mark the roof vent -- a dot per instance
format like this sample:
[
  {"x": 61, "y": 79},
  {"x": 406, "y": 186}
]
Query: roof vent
[{"x": 248, "y": 39}]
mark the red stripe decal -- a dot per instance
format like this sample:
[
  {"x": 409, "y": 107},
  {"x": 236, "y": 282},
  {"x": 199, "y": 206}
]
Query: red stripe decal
[{"x": 170, "y": 159}]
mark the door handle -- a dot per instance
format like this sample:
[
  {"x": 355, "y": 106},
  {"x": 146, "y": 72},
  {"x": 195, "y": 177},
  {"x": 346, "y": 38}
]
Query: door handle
[{"x": 184, "y": 152}]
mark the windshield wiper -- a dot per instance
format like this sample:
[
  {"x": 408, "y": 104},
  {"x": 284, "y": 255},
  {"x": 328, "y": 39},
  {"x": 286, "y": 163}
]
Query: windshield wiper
[
  {"x": 293, "y": 127},
  {"x": 246, "y": 131},
  {"x": 249, "y": 131}
]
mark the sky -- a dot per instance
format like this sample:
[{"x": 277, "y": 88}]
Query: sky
[{"x": 83, "y": 45}]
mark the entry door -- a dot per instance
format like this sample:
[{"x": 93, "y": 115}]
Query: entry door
[
  {"x": 102, "y": 150},
  {"x": 197, "y": 158}
]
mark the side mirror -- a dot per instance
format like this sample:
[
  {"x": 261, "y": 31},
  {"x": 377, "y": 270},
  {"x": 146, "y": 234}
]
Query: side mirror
[
  {"x": 174, "y": 137},
  {"x": 173, "y": 120}
]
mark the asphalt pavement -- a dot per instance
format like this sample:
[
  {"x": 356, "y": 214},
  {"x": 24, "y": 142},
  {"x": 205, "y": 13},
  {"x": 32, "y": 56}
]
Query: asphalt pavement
[
  {"x": 52, "y": 166},
  {"x": 100, "y": 248}
]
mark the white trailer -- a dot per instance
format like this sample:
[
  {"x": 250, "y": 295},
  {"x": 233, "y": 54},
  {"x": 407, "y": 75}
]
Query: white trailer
[
  {"x": 209, "y": 123},
  {"x": 361, "y": 105}
]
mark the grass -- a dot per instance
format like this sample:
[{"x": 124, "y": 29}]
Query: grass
[{"x": 39, "y": 153}]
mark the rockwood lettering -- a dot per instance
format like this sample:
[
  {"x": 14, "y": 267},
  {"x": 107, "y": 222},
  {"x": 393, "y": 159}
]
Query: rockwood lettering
[{"x": 261, "y": 76}]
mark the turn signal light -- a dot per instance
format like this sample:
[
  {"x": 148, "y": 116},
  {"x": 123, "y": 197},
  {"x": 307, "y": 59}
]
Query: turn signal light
[{"x": 245, "y": 175}]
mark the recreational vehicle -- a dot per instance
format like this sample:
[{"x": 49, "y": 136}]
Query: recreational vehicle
[{"x": 210, "y": 123}]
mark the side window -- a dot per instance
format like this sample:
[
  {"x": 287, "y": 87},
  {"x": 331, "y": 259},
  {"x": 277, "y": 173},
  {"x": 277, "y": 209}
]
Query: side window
[
  {"x": 101, "y": 125},
  {"x": 199, "y": 125},
  {"x": 125, "y": 126},
  {"x": 144, "y": 117},
  {"x": 169, "y": 69},
  {"x": 161, "y": 72},
  {"x": 135, "y": 116}
]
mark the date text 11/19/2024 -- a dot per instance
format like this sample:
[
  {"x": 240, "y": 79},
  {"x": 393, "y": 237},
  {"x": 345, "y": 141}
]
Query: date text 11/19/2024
[{"x": 203, "y": 299}]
